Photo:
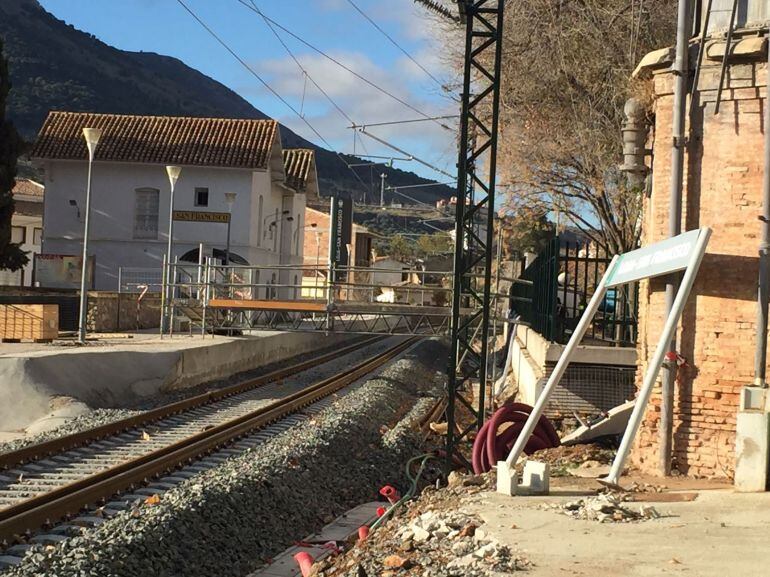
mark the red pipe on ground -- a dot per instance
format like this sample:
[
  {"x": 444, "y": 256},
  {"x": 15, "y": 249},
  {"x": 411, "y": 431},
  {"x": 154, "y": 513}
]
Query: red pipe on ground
[
  {"x": 391, "y": 494},
  {"x": 305, "y": 562},
  {"x": 492, "y": 445}
]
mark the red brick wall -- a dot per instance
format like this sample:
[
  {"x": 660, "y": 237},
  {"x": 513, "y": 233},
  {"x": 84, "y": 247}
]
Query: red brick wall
[{"x": 723, "y": 191}]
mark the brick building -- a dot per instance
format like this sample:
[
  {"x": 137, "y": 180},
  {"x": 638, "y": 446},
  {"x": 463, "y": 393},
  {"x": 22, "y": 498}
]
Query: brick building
[{"x": 723, "y": 190}]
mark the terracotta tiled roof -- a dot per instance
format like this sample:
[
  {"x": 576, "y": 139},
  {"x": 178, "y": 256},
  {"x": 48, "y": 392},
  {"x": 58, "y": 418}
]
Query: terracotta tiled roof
[
  {"x": 223, "y": 142},
  {"x": 297, "y": 163},
  {"x": 28, "y": 188}
]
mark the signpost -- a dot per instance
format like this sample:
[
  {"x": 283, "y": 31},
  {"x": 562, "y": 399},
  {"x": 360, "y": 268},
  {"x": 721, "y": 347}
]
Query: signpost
[{"x": 680, "y": 253}]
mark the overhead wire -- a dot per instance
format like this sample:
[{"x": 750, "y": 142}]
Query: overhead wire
[
  {"x": 397, "y": 45},
  {"x": 267, "y": 85},
  {"x": 344, "y": 66}
]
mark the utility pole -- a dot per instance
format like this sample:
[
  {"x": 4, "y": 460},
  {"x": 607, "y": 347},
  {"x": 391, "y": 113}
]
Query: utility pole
[
  {"x": 681, "y": 75},
  {"x": 383, "y": 176}
]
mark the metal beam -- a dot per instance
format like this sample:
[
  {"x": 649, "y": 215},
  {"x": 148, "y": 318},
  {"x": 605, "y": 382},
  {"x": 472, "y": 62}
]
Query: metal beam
[{"x": 473, "y": 251}]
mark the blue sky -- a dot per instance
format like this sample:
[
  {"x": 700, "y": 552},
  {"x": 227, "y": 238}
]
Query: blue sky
[{"x": 163, "y": 26}]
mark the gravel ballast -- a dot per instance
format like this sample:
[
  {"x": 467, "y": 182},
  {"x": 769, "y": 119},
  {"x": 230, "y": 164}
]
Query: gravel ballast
[{"x": 232, "y": 519}]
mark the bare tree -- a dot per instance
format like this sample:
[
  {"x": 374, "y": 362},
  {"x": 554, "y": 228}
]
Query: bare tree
[{"x": 567, "y": 67}]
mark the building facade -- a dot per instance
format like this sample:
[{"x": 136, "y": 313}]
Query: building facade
[
  {"x": 723, "y": 190},
  {"x": 26, "y": 229},
  {"x": 130, "y": 198}
]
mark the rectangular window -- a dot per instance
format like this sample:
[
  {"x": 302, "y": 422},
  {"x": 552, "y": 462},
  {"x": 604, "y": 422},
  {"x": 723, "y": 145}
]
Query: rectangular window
[
  {"x": 37, "y": 236},
  {"x": 18, "y": 234},
  {"x": 201, "y": 196},
  {"x": 146, "y": 213}
]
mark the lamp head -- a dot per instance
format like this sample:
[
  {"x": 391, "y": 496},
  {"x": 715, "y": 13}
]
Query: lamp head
[
  {"x": 92, "y": 136},
  {"x": 173, "y": 174},
  {"x": 230, "y": 198}
]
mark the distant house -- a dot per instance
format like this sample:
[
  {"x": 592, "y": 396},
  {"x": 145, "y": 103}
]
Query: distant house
[
  {"x": 26, "y": 228},
  {"x": 131, "y": 197},
  {"x": 317, "y": 230},
  {"x": 390, "y": 271}
]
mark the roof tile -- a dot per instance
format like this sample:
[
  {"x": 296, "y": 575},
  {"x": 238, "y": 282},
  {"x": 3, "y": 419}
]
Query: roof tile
[{"x": 222, "y": 142}]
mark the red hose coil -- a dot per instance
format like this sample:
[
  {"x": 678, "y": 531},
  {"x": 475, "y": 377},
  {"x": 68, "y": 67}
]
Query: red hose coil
[{"x": 492, "y": 446}]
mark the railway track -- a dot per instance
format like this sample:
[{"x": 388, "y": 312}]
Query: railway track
[{"x": 57, "y": 480}]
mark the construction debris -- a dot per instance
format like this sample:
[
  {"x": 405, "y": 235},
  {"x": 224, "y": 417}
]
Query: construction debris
[
  {"x": 431, "y": 537},
  {"x": 606, "y": 508}
]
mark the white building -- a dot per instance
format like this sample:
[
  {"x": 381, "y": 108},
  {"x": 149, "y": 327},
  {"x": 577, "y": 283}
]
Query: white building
[
  {"x": 26, "y": 229},
  {"x": 130, "y": 199}
]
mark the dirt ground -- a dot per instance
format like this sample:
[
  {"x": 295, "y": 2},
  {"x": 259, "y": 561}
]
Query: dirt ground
[{"x": 720, "y": 533}]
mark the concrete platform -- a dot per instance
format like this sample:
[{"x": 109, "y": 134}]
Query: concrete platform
[
  {"x": 117, "y": 370},
  {"x": 719, "y": 533}
]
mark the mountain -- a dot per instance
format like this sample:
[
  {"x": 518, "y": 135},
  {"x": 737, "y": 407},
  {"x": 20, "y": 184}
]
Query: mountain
[{"x": 57, "y": 67}]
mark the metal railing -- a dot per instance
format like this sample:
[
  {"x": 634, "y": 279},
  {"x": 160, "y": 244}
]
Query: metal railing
[
  {"x": 564, "y": 276},
  {"x": 214, "y": 297},
  {"x": 135, "y": 279}
]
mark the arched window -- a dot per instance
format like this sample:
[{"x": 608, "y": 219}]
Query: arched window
[{"x": 146, "y": 207}]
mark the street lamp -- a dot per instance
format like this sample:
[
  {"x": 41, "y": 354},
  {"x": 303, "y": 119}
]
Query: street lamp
[
  {"x": 173, "y": 173},
  {"x": 92, "y": 136},
  {"x": 296, "y": 235},
  {"x": 229, "y": 201}
]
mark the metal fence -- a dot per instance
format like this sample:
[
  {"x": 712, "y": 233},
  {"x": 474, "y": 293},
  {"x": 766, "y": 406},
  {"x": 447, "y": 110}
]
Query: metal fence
[
  {"x": 135, "y": 279},
  {"x": 564, "y": 277}
]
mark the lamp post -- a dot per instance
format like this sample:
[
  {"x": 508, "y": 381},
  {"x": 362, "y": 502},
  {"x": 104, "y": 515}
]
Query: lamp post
[
  {"x": 173, "y": 175},
  {"x": 229, "y": 201},
  {"x": 92, "y": 136}
]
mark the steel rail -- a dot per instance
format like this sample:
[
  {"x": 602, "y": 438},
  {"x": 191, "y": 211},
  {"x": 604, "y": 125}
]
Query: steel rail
[
  {"x": 34, "y": 513},
  {"x": 54, "y": 446}
]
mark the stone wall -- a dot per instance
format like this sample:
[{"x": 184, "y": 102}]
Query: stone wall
[
  {"x": 723, "y": 171},
  {"x": 111, "y": 312}
]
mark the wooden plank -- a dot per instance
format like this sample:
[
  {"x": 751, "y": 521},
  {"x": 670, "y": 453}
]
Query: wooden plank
[{"x": 262, "y": 305}]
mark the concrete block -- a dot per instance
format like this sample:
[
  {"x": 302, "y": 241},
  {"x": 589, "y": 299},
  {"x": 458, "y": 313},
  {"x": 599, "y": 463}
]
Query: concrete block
[
  {"x": 507, "y": 479},
  {"x": 752, "y": 450},
  {"x": 536, "y": 478}
]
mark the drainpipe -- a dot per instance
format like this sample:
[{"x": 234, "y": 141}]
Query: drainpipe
[
  {"x": 760, "y": 357},
  {"x": 680, "y": 70}
]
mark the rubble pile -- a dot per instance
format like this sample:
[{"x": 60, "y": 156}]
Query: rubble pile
[
  {"x": 606, "y": 508},
  {"x": 432, "y": 537}
]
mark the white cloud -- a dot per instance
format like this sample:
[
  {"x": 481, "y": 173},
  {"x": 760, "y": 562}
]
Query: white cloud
[{"x": 363, "y": 103}]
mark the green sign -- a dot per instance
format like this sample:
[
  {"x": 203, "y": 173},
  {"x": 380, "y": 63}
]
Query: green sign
[{"x": 665, "y": 257}]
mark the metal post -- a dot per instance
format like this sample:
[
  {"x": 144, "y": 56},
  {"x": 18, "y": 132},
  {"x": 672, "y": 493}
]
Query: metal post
[
  {"x": 473, "y": 251},
  {"x": 163, "y": 289},
  {"x": 494, "y": 300},
  {"x": 84, "y": 266},
  {"x": 681, "y": 70},
  {"x": 383, "y": 176},
  {"x": 227, "y": 246},
  {"x": 657, "y": 359},
  {"x": 200, "y": 270},
  {"x": 760, "y": 356}
]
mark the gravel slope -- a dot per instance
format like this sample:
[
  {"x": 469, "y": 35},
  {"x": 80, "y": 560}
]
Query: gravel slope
[{"x": 228, "y": 520}]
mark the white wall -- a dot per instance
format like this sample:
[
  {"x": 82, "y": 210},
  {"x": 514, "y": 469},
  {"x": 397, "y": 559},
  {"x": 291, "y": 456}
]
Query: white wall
[
  {"x": 111, "y": 238},
  {"x": 29, "y": 223},
  {"x": 389, "y": 272}
]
